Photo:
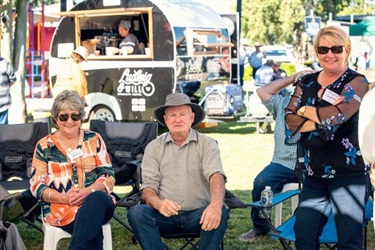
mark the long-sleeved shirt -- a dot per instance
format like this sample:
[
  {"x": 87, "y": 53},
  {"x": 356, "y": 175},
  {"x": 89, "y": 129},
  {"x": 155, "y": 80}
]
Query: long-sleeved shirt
[
  {"x": 332, "y": 149},
  {"x": 7, "y": 76},
  {"x": 72, "y": 77},
  {"x": 52, "y": 168}
]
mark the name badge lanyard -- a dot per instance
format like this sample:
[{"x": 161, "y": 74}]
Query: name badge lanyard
[
  {"x": 74, "y": 170},
  {"x": 73, "y": 155}
]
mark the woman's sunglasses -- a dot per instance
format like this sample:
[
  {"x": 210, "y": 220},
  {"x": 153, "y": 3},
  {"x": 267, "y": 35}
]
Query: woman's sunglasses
[
  {"x": 65, "y": 117},
  {"x": 338, "y": 49}
]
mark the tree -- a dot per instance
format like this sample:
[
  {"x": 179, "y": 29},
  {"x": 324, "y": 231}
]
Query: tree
[
  {"x": 271, "y": 21},
  {"x": 18, "y": 112},
  {"x": 282, "y": 21}
]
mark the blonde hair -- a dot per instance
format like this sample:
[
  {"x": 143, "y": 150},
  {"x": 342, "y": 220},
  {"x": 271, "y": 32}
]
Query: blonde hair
[{"x": 336, "y": 36}]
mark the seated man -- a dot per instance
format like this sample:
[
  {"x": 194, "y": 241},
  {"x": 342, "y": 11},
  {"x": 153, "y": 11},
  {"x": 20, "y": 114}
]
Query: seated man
[
  {"x": 130, "y": 41},
  {"x": 281, "y": 169},
  {"x": 269, "y": 72},
  {"x": 183, "y": 181}
]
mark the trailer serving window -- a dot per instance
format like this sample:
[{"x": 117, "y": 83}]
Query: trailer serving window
[
  {"x": 201, "y": 41},
  {"x": 97, "y": 30}
]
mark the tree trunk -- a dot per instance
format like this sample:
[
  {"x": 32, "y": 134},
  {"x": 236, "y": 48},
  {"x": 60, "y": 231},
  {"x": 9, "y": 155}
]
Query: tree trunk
[{"x": 17, "y": 112}]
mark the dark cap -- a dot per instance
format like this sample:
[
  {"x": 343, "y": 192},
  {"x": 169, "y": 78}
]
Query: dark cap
[{"x": 271, "y": 62}]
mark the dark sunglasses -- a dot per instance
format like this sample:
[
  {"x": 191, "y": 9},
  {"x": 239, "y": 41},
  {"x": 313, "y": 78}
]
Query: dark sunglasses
[
  {"x": 65, "y": 117},
  {"x": 338, "y": 49}
]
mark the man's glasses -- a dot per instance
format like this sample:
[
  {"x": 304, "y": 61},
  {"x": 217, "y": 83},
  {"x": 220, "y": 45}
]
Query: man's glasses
[
  {"x": 65, "y": 117},
  {"x": 338, "y": 49}
]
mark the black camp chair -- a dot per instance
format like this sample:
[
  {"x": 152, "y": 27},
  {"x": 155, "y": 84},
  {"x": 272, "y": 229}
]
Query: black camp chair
[
  {"x": 17, "y": 143},
  {"x": 126, "y": 142},
  {"x": 192, "y": 239}
]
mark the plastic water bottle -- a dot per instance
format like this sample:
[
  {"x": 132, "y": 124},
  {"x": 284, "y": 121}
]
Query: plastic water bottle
[{"x": 266, "y": 200}]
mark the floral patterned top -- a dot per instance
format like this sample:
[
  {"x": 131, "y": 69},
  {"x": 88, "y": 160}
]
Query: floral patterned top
[
  {"x": 332, "y": 149},
  {"x": 52, "y": 168}
]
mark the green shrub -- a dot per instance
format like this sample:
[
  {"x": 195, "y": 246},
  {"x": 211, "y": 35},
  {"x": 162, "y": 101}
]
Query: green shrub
[
  {"x": 248, "y": 74},
  {"x": 290, "y": 68}
]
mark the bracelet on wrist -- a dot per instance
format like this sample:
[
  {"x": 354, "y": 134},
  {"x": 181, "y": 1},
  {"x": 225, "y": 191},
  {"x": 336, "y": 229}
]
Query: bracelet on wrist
[{"x": 49, "y": 196}]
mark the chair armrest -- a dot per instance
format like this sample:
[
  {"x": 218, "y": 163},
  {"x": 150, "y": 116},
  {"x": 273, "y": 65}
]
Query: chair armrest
[
  {"x": 276, "y": 199},
  {"x": 130, "y": 201}
]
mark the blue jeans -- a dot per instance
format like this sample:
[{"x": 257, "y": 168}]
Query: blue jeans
[
  {"x": 346, "y": 196},
  {"x": 4, "y": 117},
  {"x": 86, "y": 229},
  {"x": 242, "y": 72},
  {"x": 275, "y": 176},
  {"x": 148, "y": 224}
]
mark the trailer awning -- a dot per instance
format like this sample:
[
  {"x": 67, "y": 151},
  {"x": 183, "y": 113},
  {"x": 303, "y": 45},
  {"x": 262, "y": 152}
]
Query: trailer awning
[{"x": 184, "y": 13}]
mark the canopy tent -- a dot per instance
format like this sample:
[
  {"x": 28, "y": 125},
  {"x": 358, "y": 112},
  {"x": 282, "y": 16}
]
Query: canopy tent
[{"x": 364, "y": 28}]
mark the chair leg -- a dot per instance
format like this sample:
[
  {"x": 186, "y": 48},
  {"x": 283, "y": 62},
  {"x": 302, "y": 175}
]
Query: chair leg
[
  {"x": 117, "y": 218},
  {"x": 222, "y": 245},
  {"x": 278, "y": 214},
  {"x": 107, "y": 237}
]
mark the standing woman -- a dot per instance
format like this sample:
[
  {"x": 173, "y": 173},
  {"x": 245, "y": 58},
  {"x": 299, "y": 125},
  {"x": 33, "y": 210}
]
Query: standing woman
[
  {"x": 72, "y": 175},
  {"x": 324, "y": 107},
  {"x": 71, "y": 75}
]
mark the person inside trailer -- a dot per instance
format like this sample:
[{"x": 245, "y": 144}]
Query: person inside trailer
[{"x": 129, "y": 42}]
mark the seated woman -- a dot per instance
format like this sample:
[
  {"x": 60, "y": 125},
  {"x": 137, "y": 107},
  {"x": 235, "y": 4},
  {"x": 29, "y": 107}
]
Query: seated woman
[
  {"x": 72, "y": 175},
  {"x": 130, "y": 41}
]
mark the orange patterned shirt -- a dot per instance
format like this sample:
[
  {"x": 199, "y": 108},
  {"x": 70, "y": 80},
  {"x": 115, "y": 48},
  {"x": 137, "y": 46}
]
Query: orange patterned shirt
[{"x": 52, "y": 168}]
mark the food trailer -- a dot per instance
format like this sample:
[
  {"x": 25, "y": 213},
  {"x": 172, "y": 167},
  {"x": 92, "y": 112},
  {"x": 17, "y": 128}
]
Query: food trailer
[{"x": 180, "y": 42}]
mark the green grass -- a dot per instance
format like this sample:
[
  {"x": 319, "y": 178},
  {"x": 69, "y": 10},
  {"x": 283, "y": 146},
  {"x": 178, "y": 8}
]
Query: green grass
[{"x": 244, "y": 153}]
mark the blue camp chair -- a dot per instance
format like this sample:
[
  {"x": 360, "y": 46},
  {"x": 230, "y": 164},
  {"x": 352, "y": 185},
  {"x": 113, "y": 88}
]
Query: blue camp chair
[{"x": 285, "y": 232}]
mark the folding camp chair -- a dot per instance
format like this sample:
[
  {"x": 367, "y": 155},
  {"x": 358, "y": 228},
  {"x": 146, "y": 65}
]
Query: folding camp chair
[
  {"x": 126, "y": 142},
  {"x": 285, "y": 232},
  {"x": 17, "y": 144},
  {"x": 192, "y": 239}
]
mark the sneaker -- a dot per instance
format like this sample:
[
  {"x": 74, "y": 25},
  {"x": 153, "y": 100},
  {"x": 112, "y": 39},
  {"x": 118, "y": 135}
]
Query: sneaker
[{"x": 250, "y": 236}]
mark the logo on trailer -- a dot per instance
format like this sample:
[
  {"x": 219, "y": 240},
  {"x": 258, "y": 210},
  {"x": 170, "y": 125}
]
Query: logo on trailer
[{"x": 136, "y": 83}]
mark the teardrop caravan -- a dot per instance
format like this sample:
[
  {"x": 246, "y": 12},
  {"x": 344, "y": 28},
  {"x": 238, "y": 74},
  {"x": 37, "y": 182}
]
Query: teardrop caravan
[{"x": 180, "y": 41}]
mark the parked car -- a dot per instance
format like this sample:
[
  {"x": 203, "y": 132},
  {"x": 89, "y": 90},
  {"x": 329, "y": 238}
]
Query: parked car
[{"x": 277, "y": 53}]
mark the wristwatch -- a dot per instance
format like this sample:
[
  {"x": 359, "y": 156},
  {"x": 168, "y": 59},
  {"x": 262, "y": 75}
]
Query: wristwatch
[{"x": 302, "y": 110}]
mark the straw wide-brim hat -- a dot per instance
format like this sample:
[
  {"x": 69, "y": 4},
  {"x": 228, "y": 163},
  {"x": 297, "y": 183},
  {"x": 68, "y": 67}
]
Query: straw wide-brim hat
[
  {"x": 82, "y": 51},
  {"x": 178, "y": 99},
  {"x": 244, "y": 41}
]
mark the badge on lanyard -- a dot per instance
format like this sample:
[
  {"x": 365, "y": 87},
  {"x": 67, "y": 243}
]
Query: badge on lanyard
[
  {"x": 330, "y": 96},
  {"x": 74, "y": 154}
]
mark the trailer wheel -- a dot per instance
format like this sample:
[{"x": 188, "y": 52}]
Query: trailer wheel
[{"x": 102, "y": 113}]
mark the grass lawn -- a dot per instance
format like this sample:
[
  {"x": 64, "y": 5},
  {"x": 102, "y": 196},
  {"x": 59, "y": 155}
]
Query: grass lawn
[{"x": 244, "y": 153}]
